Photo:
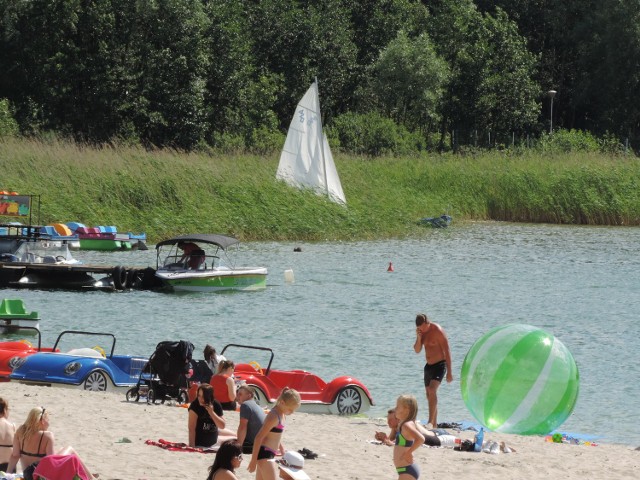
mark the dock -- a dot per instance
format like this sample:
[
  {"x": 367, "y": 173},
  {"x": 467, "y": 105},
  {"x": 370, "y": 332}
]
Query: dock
[{"x": 76, "y": 277}]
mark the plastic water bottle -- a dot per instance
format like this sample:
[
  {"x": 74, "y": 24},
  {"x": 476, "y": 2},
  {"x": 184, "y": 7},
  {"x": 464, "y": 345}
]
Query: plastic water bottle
[{"x": 479, "y": 438}]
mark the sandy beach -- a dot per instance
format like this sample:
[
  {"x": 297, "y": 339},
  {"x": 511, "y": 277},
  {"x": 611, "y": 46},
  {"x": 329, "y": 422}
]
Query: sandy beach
[{"x": 95, "y": 425}]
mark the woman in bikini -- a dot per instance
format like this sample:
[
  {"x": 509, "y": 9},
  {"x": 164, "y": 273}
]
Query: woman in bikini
[
  {"x": 33, "y": 441},
  {"x": 227, "y": 460},
  {"x": 269, "y": 438},
  {"x": 7, "y": 432},
  {"x": 408, "y": 438}
]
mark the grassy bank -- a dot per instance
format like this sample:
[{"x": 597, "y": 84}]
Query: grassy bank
[{"x": 164, "y": 193}]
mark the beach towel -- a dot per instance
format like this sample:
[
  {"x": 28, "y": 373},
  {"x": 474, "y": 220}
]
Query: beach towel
[
  {"x": 60, "y": 467},
  {"x": 181, "y": 447}
]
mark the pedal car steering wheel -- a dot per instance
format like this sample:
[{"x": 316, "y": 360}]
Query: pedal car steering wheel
[{"x": 256, "y": 366}]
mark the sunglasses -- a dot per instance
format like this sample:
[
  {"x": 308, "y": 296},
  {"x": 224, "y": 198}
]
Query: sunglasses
[{"x": 42, "y": 414}]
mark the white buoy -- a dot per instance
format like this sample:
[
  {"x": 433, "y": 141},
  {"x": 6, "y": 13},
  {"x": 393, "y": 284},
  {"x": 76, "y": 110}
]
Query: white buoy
[{"x": 288, "y": 276}]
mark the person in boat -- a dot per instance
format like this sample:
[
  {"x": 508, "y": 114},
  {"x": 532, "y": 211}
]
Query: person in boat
[
  {"x": 432, "y": 337},
  {"x": 192, "y": 254},
  {"x": 224, "y": 386},
  {"x": 228, "y": 458},
  {"x": 206, "y": 422},
  {"x": 251, "y": 418},
  {"x": 7, "y": 432},
  {"x": 33, "y": 441}
]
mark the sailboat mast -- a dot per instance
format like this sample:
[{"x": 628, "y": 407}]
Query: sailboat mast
[{"x": 324, "y": 162}]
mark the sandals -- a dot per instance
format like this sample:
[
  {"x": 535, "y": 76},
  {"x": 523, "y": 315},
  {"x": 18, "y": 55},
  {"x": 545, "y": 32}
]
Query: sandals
[{"x": 307, "y": 454}]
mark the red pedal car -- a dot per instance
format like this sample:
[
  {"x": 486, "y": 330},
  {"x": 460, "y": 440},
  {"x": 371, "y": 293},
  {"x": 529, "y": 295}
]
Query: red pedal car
[
  {"x": 343, "y": 395},
  {"x": 11, "y": 351}
]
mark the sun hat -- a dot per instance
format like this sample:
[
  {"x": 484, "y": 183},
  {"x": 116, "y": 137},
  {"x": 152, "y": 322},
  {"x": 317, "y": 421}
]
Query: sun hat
[{"x": 293, "y": 463}]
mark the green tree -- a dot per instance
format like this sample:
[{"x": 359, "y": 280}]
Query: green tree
[
  {"x": 40, "y": 56},
  {"x": 492, "y": 85},
  {"x": 297, "y": 41},
  {"x": 172, "y": 57},
  {"x": 408, "y": 81},
  {"x": 508, "y": 93},
  {"x": 611, "y": 54}
]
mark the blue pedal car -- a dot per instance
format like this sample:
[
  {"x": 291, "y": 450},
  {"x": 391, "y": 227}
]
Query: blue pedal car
[{"x": 89, "y": 368}]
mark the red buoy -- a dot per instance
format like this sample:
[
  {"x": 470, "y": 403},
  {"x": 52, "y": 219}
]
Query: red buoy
[{"x": 390, "y": 268}]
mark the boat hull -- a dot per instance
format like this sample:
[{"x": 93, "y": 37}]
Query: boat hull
[
  {"x": 213, "y": 280},
  {"x": 106, "y": 245}
]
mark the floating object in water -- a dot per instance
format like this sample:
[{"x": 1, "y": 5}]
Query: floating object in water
[
  {"x": 297, "y": 249},
  {"x": 443, "y": 221},
  {"x": 390, "y": 267},
  {"x": 519, "y": 379},
  {"x": 288, "y": 276}
]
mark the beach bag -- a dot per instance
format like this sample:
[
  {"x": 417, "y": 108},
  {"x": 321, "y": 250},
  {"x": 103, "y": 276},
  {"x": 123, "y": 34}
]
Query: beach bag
[
  {"x": 28, "y": 472},
  {"x": 465, "y": 446}
]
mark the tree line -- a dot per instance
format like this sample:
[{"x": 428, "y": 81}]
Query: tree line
[{"x": 395, "y": 76}]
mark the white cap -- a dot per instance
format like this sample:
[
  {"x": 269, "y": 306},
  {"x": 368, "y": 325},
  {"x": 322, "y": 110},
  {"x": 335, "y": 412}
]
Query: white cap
[{"x": 293, "y": 463}]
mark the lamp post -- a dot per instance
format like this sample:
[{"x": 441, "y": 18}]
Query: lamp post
[{"x": 551, "y": 94}]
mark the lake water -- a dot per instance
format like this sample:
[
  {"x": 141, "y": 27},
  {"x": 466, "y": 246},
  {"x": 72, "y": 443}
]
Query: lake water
[{"x": 345, "y": 314}]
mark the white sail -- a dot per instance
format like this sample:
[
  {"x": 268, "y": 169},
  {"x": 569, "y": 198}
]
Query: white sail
[{"x": 306, "y": 160}]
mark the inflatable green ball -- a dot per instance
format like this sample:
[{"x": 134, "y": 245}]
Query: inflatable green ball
[{"x": 519, "y": 379}]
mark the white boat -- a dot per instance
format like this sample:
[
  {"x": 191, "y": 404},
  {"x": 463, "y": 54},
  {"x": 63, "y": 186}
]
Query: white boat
[
  {"x": 194, "y": 269},
  {"x": 306, "y": 160}
]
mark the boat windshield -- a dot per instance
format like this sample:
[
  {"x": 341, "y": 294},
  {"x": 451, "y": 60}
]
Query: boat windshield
[
  {"x": 174, "y": 257},
  {"x": 44, "y": 252}
]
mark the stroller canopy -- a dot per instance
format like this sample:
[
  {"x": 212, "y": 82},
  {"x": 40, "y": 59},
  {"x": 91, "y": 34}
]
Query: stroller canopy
[{"x": 171, "y": 360}]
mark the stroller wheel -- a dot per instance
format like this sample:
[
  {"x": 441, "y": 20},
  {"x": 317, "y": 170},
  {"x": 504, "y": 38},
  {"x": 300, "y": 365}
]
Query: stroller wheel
[
  {"x": 133, "y": 394},
  {"x": 183, "y": 397},
  {"x": 151, "y": 396}
]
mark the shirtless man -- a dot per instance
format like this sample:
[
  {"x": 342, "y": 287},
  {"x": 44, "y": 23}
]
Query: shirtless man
[{"x": 436, "y": 349}]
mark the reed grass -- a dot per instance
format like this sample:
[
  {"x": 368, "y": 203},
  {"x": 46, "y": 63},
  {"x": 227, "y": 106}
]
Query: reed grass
[{"x": 166, "y": 192}]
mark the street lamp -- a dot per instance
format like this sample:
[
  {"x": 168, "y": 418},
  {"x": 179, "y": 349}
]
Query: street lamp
[{"x": 551, "y": 94}]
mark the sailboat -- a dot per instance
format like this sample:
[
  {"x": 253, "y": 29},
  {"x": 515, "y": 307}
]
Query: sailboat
[{"x": 306, "y": 160}]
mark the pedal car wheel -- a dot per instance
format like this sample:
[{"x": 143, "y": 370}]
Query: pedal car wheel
[
  {"x": 259, "y": 396},
  {"x": 151, "y": 396},
  {"x": 183, "y": 397},
  {"x": 96, "y": 382},
  {"x": 349, "y": 401},
  {"x": 133, "y": 394}
]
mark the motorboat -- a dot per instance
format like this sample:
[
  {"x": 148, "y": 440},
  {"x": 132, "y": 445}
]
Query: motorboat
[{"x": 201, "y": 263}]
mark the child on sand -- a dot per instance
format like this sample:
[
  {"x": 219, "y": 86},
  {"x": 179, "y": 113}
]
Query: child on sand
[
  {"x": 408, "y": 438},
  {"x": 269, "y": 438}
]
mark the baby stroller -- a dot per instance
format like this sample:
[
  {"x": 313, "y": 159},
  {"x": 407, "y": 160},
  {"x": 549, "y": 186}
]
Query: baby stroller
[{"x": 165, "y": 376}]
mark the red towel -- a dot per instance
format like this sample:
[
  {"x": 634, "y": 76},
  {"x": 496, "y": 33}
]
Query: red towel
[
  {"x": 60, "y": 467},
  {"x": 180, "y": 447}
]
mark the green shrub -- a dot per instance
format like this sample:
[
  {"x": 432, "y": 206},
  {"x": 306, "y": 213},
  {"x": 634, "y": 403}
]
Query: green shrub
[
  {"x": 374, "y": 135},
  {"x": 264, "y": 140},
  {"x": 610, "y": 144},
  {"x": 567, "y": 141},
  {"x": 8, "y": 125}
]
